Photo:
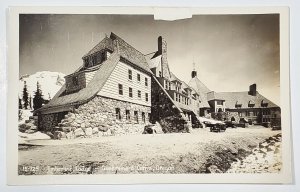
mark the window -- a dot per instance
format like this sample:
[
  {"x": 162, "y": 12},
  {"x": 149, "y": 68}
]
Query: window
[
  {"x": 160, "y": 74},
  {"x": 146, "y": 81},
  {"x": 139, "y": 94},
  {"x": 254, "y": 113},
  {"x": 127, "y": 114},
  {"x": 176, "y": 97},
  {"x": 75, "y": 80},
  {"x": 143, "y": 117},
  {"x": 130, "y": 92},
  {"x": 129, "y": 74},
  {"x": 247, "y": 113},
  {"x": 138, "y": 77},
  {"x": 118, "y": 114},
  {"x": 219, "y": 102},
  {"x": 136, "y": 116},
  {"x": 179, "y": 97},
  {"x": 120, "y": 89},
  {"x": 146, "y": 96}
]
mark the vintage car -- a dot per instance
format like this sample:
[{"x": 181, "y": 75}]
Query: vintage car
[
  {"x": 231, "y": 124},
  {"x": 216, "y": 126}
]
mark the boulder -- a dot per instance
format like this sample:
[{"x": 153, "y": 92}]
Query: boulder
[
  {"x": 70, "y": 135},
  {"x": 57, "y": 135},
  {"x": 66, "y": 129},
  {"x": 95, "y": 130},
  {"x": 103, "y": 129},
  {"x": 29, "y": 131},
  {"x": 22, "y": 127},
  {"x": 79, "y": 132},
  {"x": 88, "y": 131}
]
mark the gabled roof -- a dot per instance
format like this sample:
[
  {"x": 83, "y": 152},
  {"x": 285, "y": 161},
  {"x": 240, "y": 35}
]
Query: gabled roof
[
  {"x": 126, "y": 51},
  {"x": 87, "y": 93},
  {"x": 243, "y": 98}
]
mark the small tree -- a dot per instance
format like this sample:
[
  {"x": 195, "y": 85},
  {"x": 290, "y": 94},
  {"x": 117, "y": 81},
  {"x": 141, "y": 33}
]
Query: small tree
[
  {"x": 20, "y": 103},
  {"x": 38, "y": 97},
  {"x": 25, "y": 96}
]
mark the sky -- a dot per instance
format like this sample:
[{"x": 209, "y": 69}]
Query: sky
[{"x": 230, "y": 52}]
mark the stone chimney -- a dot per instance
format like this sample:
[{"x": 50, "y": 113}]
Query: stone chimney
[
  {"x": 162, "y": 49},
  {"x": 252, "y": 90},
  {"x": 194, "y": 73}
]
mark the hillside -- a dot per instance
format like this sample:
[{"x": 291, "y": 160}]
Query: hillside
[{"x": 50, "y": 83}]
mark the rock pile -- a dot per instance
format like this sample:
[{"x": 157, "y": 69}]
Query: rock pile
[
  {"x": 264, "y": 159},
  {"x": 29, "y": 126}
]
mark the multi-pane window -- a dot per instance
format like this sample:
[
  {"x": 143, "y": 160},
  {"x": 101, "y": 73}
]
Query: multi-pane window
[
  {"x": 160, "y": 74},
  {"x": 120, "y": 89},
  {"x": 146, "y": 81},
  {"x": 138, "y": 77},
  {"x": 127, "y": 114},
  {"x": 129, "y": 74},
  {"x": 143, "y": 117},
  {"x": 130, "y": 92},
  {"x": 118, "y": 113},
  {"x": 146, "y": 96},
  {"x": 136, "y": 116},
  {"x": 139, "y": 94}
]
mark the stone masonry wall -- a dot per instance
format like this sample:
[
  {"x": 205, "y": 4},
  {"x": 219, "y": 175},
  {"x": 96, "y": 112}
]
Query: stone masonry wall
[
  {"x": 98, "y": 118},
  {"x": 165, "y": 112}
]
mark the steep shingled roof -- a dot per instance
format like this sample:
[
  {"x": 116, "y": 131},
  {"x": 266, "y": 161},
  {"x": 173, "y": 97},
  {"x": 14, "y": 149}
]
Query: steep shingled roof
[
  {"x": 243, "y": 98},
  {"x": 130, "y": 53},
  {"x": 87, "y": 93},
  {"x": 201, "y": 89},
  {"x": 106, "y": 43}
]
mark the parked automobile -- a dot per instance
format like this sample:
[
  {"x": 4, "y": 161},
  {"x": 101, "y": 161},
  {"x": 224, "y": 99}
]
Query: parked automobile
[
  {"x": 216, "y": 127},
  {"x": 231, "y": 124}
]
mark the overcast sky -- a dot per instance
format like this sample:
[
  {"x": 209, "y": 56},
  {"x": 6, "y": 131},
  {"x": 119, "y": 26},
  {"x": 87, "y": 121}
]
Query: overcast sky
[{"x": 230, "y": 51}]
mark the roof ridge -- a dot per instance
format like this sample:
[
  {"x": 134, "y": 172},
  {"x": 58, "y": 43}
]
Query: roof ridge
[{"x": 113, "y": 34}]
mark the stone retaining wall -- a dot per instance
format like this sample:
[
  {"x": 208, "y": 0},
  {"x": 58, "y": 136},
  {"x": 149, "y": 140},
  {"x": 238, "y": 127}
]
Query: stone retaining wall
[{"x": 98, "y": 118}]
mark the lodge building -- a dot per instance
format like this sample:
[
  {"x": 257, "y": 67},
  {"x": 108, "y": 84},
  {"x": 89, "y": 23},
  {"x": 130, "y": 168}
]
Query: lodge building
[{"x": 118, "y": 86}]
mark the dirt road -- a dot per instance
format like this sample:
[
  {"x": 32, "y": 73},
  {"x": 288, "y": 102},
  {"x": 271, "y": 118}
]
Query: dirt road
[{"x": 161, "y": 153}]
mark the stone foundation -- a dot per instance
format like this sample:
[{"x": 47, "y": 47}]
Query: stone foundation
[{"x": 98, "y": 118}]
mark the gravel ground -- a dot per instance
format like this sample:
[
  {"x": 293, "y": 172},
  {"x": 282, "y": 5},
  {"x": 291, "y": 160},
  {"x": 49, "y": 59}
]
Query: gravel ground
[{"x": 198, "y": 152}]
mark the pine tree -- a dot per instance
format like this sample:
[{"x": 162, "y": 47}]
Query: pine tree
[
  {"x": 30, "y": 102},
  {"x": 38, "y": 97},
  {"x": 20, "y": 103},
  {"x": 25, "y": 96}
]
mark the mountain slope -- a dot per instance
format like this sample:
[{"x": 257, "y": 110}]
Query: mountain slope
[{"x": 50, "y": 83}]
